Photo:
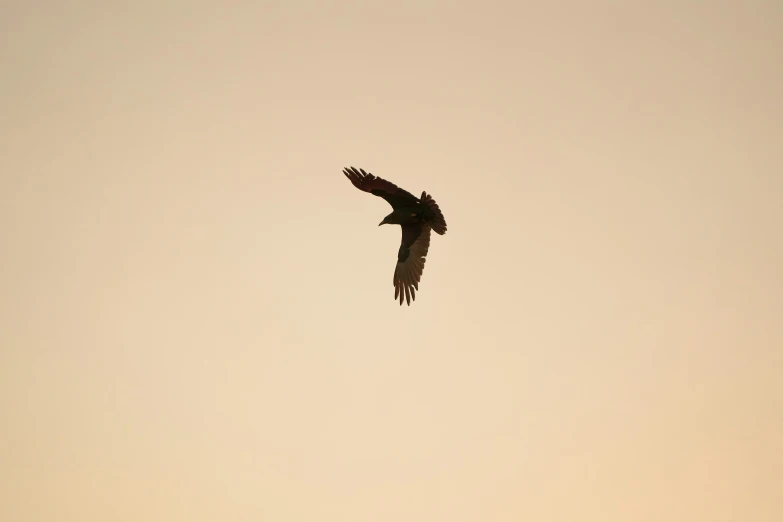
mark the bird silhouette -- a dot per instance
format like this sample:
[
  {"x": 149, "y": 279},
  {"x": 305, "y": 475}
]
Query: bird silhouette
[{"x": 416, "y": 217}]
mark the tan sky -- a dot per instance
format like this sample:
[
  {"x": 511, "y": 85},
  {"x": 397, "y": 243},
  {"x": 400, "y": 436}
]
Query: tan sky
[{"x": 197, "y": 319}]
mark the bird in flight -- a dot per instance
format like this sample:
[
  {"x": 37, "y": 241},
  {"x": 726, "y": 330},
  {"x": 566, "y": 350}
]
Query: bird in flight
[{"x": 416, "y": 217}]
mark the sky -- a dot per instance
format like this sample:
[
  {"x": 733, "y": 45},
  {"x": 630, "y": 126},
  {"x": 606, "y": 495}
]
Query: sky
[{"x": 197, "y": 316}]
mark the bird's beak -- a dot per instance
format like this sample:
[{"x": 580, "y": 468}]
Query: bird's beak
[{"x": 382, "y": 222}]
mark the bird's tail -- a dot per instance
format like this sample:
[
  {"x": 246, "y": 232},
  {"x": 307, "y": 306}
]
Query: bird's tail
[{"x": 437, "y": 221}]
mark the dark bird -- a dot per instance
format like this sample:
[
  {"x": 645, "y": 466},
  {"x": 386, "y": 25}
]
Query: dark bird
[{"x": 416, "y": 217}]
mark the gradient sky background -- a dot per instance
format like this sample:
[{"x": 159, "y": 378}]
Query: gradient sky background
[{"x": 197, "y": 319}]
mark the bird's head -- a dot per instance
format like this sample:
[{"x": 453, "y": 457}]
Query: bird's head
[
  {"x": 392, "y": 219},
  {"x": 388, "y": 220}
]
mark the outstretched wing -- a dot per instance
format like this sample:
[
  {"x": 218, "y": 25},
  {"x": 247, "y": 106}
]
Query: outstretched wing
[
  {"x": 387, "y": 190},
  {"x": 410, "y": 261}
]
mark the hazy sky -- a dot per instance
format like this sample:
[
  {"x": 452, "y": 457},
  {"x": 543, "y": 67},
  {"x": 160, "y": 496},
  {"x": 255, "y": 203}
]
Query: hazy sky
[{"x": 197, "y": 317}]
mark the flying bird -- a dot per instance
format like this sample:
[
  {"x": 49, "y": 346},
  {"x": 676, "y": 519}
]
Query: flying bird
[{"x": 416, "y": 217}]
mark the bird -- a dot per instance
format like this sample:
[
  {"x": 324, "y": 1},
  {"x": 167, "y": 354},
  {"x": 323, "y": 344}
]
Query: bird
[{"x": 416, "y": 217}]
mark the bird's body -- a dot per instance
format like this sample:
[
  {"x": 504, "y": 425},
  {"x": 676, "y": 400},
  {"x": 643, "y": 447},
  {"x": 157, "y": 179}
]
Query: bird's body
[{"x": 416, "y": 217}]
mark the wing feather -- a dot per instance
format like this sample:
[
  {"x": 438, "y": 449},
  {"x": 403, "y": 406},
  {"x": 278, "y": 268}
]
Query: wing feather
[
  {"x": 410, "y": 261},
  {"x": 387, "y": 190}
]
